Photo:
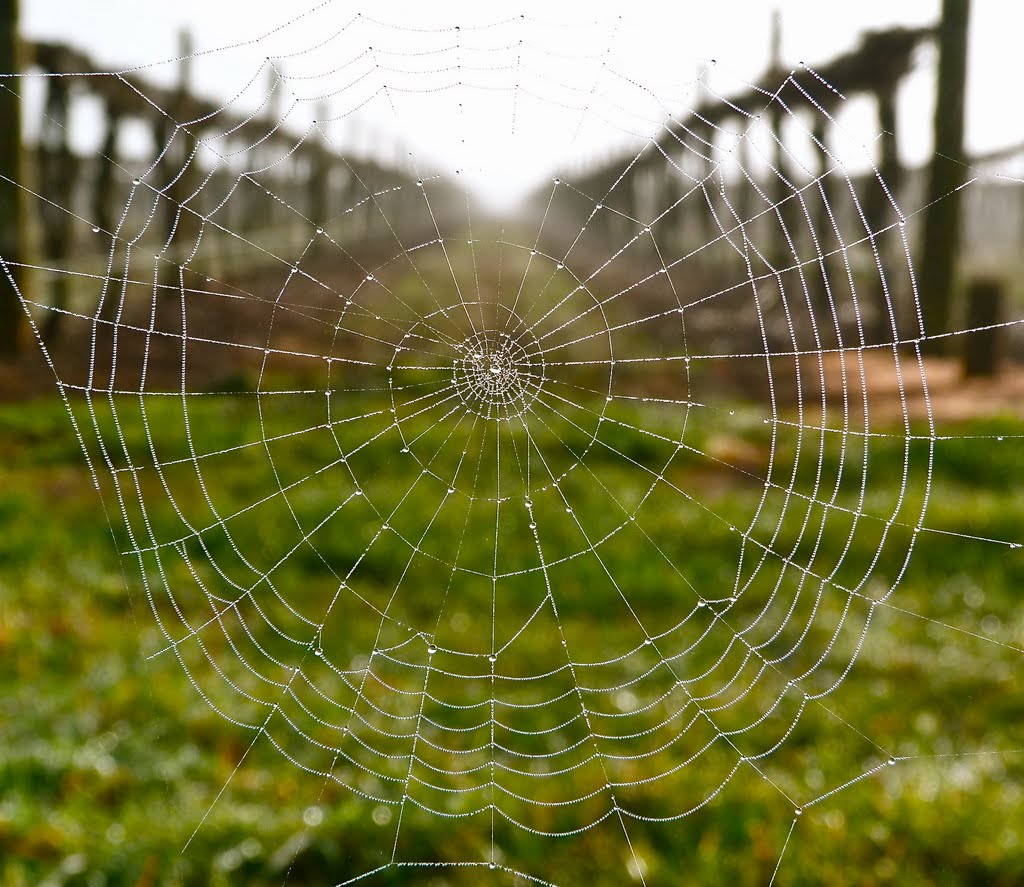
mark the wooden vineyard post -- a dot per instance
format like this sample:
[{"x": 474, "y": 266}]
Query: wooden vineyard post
[
  {"x": 13, "y": 236},
  {"x": 832, "y": 268},
  {"x": 984, "y": 315},
  {"x": 104, "y": 211},
  {"x": 942, "y": 218},
  {"x": 880, "y": 211},
  {"x": 58, "y": 174},
  {"x": 319, "y": 181}
]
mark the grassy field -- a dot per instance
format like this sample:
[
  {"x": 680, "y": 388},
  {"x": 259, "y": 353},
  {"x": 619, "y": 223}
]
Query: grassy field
[{"x": 111, "y": 759}]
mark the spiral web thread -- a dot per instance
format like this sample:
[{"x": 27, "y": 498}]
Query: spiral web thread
[{"x": 468, "y": 431}]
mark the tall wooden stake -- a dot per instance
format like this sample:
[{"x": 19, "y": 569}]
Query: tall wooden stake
[
  {"x": 938, "y": 268},
  {"x": 13, "y": 248}
]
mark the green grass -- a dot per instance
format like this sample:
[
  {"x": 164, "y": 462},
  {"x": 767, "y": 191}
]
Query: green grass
[{"x": 111, "y": 759}]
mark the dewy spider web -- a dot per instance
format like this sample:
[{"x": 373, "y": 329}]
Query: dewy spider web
[{"x": 405, "y": 517}]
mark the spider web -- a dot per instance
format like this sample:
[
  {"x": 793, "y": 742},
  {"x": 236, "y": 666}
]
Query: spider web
[{"x": 400, "y": 473}]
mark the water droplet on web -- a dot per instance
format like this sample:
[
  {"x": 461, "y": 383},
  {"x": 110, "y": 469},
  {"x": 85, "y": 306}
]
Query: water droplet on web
[
  {"x": 431, "y": 649},
  {"x": 95, "y": 229}
]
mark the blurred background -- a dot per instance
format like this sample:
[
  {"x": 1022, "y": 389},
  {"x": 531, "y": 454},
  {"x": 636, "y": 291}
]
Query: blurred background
[{"x": 872, "y": 158}]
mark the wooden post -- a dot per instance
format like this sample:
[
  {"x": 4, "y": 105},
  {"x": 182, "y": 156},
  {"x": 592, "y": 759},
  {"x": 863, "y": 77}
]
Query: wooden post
[
  {"x": 878, "y": 208},
  {"x": 13, "y": 246},
  {"x": 181, "y": 220},
  {"x": 889, "y": 161},
  {"x": 984, "y": 314},
  {"x": 778, "y": 190},
  {"x": 745, "y": 183},
  {"x": 703, "y": 150},
  {"x": 104, "y": 212},
  {"x": 942, "y": 217},
  {"x": 58, "y": 174},
  {"x": 833, "y": 267},
  {"x": 320, "y": 171}
]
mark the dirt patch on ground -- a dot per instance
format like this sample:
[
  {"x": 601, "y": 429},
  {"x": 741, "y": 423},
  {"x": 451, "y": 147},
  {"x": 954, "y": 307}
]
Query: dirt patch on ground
[{"x": 904, "y": 386}]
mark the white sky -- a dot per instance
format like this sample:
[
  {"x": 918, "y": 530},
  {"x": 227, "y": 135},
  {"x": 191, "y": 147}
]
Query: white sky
[{"x": 660, "y": 44}]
